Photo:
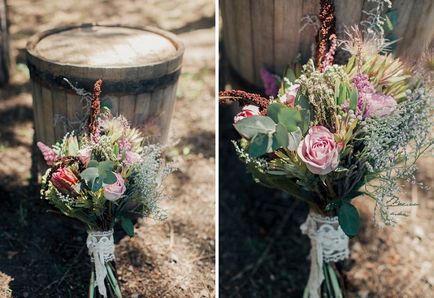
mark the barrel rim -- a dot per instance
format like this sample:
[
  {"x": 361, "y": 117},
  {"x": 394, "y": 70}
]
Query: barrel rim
[{"x": 33, "y": 41}]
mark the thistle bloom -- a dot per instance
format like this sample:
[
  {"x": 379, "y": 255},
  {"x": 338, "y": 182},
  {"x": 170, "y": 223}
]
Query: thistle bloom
[
  {"x": 247, "y": 111},
  {"x": 319, "y": 151},
  {"x": 64, "y": 180},
  {"x": 270, "y": 82}
]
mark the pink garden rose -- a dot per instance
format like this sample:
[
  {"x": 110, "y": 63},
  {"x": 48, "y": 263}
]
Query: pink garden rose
[
  {"x": 319, "y": 150},
  {"x": 289, "y": 97},
  {"x": 114, "y": 191},
  {"x": 64, "y": 180},
  {"x": 49, "y": 155},
  {"x": 132, "y": 158},
  {"x": 379, "y": 105},
  {"x": 247, "y": 111}
]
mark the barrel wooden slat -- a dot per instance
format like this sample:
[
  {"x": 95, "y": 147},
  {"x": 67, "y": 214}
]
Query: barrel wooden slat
[
  {"x": 229, "y": 17},
  {"x": 37, "y": 111},
  {"x": 137, "y": 66},
  {"x": 276, "y": 38},
  {"x": 142, "y": 109},
  {"x": 244, "y": 20},
  {"x": 306, "y": 33},
  {"x": 115, "y": 105},
  {"x": 60, "y": 109},
  {"x": 127, "y": 106},
  {"x": 48, "y": 114},
  {"x": 74, "y": 109},
  {"x": 417, "y": 33}
]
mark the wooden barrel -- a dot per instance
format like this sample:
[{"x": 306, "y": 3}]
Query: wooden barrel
[
  {"x": 139, "y": 68},
  {"x": 271, "y": 34}
]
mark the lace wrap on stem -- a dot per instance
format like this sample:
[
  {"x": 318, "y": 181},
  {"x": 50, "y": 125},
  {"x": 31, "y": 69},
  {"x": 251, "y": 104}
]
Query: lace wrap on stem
[
  {"x": 328, "y": 244},
  {"x": 101, "y": 249}
]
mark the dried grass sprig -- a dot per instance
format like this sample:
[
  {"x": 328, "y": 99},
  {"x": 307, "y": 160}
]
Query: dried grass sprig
[
  {"x": 328, "y": 28},
  {"x": 95, "y": 108},
  {"x": 243, "y": 98}
]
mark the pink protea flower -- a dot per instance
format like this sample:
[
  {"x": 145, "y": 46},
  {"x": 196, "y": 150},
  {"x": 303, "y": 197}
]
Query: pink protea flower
[
  {"x": 64, "y": 180},
  {"x": 371, "y": 103},
  {"x": 132, "y": 158},
  {"x": 247, "y": 111},
  {"x": 270, "y": 82},
  {"x": 379, "y": 105},
  {"x": 49, "y": 155}
]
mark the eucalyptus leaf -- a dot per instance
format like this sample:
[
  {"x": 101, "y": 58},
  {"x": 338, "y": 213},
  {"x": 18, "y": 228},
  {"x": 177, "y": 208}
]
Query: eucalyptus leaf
[
  {"x": 274, "y": 109},
  {"x": 251, "y": 126},
  {"x": 349, "y": 219},
  {"x": 127, "y": 225},
  {"x": 302, "y": 101},
  {"x": 294, "y": 139},
  {"x": 305, "y": 124},
  {"x": 289, "y": 117},
  {"x": 260, "y": 145},
  {"x": 281, "y": 136},
  {"x": 109, "y": 178},
  {"x": 96, "y": 184},
  {"x": 89, "y": 174},
  {"x": 92, "y": 163}
]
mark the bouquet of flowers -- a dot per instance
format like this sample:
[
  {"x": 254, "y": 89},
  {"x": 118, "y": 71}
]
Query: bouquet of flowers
[
  {"x": 334, "y": 133},
  {"x": 100, "y": 176}
]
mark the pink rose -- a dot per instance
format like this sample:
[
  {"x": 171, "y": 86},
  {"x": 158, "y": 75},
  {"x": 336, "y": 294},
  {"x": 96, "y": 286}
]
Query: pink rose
[
  {"x": 247, "y": 111},
  {"x": 64, "y": 180},
  {"x": 85, "y": 155},
  {"x": 132, "y": 158},
  {"x": 49, "y": 155},
  {"x": 114, "y": 191},
  {"x": 319, "y": 150},
  {"x": 289, "y": 97},
  {"x": 379, "y": 105}
]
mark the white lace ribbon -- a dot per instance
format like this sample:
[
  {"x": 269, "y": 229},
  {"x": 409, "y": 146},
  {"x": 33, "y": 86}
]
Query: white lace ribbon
[
  {"x": 101, "y": 250},
  {"x": 328, "y": 244}
]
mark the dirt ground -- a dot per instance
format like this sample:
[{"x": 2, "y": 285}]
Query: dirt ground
[
  {"x": 42, "y": 255},
  {"x": 266, "y": 255}
]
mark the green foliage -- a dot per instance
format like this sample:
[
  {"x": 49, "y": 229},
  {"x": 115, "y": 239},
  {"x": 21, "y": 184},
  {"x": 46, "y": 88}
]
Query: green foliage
[
  {"x": 98, "y": 173},
  {"x": 260, "y": 144},
  {"x": 127, "y": 225},
  {"x": 349, "y": 219},
  {"x": 251, "y": 126}
]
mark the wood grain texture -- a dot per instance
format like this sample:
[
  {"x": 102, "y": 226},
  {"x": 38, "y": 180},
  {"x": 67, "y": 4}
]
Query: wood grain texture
[
  {"x": 4, "y": 44},
  {"x": 128, "y": 54},
  {"x": 269, "y": 31}
]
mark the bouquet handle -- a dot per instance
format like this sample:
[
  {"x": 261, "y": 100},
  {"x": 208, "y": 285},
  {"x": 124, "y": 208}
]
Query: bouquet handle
[{"x": 329, "y": 244}]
